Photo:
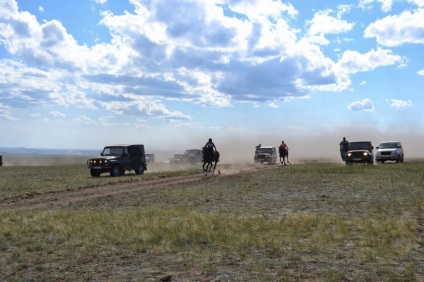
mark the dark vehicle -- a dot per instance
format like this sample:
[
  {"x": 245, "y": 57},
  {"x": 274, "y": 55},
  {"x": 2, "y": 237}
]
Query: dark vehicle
[
  {"x": 176, "y": 159},
  {"x": 150, "y": 158},
  {"x": 360, "y": 152},
  {"x": 117, "y": 159},
  {"x": 191, "y": 156},
  {"x": 1, "y": 160},
  {"x": 265, "y": 154}
]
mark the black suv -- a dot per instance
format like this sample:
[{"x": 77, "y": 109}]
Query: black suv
[
  {"x": 1, "y": 160},
  {"x": 117, "y": 159},
  {"x": 359, "y": 152},
  {"x": 192, "y": 156}
]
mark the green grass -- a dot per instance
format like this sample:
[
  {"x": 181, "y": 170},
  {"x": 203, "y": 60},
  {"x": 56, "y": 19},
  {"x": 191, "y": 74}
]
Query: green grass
[{"x": 312, "y": 222}]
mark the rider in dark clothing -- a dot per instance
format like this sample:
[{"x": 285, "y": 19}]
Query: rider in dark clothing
[
  {"x": 343, "y": 148},
  {"x": 210, "y": 146}
]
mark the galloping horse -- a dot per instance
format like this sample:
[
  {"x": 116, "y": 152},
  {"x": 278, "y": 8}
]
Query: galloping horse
[{"x": 210, "y": 159}]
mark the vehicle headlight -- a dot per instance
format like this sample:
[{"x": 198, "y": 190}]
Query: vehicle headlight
[
  {"x": 349, "y": 154},
  {"x": 365, "y": 154}
]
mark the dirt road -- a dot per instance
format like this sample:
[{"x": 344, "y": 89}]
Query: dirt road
[{"x": 58, "y": 199}]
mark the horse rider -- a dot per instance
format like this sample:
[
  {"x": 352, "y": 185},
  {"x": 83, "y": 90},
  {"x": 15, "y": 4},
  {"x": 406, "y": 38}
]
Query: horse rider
[
  {"x": 343, "y": 148},
  {"x": 284, "y": 152},
  {"x": 209, "y": 146}
]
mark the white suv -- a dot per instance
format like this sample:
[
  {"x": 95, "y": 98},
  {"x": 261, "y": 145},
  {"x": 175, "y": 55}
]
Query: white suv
[{"x": 389, "y": 151}]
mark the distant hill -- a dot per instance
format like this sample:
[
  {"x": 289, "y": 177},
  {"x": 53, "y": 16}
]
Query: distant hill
[{"x": 46, "y": 151}]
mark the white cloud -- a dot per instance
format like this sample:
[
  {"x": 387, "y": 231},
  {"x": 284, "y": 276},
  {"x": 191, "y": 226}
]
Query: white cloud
[
  {"x": 395, "y": 30},
  {"x": 419, "y": 3},
  {"x": 84, "y": 119},
  {"x": 273, "y": 105},
  {"x": 323, "y": 23},
  {"x": 156, "y": 56},
  {"x": 6, "y": 113},
  {"x": 365, "y": 105},
  {"x": 57, "y": 114},
  {"x": 421, "y": 72},
  {"x": 353, "y": 62},
  {"x": 399, "y": 104},
  {"x": 386, "y": 5}
]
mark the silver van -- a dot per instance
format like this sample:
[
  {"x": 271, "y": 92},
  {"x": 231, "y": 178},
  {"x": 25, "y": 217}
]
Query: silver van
[{"x": 389, "y": 151}]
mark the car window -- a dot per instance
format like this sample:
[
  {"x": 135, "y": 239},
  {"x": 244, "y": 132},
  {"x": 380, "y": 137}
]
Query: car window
[
  {"x": 389, "y": 145},
  {"x": 264, "y": 151},
  {"x": 113, "y": 151},
  {"x": 359, "y": 146}
]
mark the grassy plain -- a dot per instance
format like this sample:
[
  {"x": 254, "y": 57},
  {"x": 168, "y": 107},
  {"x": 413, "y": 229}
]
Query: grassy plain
[{"x": 306, "y": 222}]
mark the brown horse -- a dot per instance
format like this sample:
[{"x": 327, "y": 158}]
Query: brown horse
[{"x": 210, "y": 159}]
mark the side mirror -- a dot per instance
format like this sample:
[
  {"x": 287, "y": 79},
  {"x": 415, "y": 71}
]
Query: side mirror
[
  {"x": 377, "y": 147},
  {"x": 101, "y": 154},
  {"x": 372, "y": 147}
]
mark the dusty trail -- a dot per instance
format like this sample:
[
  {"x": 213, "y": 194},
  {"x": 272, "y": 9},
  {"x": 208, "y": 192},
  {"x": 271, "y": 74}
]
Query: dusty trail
[{"x": 58, "y": 199}]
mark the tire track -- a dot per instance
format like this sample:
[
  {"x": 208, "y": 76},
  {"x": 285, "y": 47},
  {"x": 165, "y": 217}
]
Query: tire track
[
  {"x": 58, "y": 199},
  {"x": 63, "y": 198}
]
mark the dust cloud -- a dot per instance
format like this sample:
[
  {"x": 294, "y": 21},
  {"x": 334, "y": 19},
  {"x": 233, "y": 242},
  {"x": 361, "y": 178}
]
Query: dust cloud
[{"x": 318, "y": 146}]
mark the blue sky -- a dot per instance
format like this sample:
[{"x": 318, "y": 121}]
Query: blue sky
[{"x": 170, "y": 74}]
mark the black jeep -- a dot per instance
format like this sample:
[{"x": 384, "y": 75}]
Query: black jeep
[
  {"x": 1, "y": 160},
  {"x": 117, "y": 159},
  {"x": 359, "y": 152}
]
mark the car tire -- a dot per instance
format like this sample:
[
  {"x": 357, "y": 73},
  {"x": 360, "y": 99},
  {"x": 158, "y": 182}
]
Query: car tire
[
  {"x": 94, "y": 173},
  {"x": 139, "y": 170},
  {"x": 116, "y": 171}
]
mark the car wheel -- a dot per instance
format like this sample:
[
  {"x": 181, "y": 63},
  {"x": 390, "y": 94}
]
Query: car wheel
[
  {"x": 139, "y": 169},
  {"x": 94, "y": 173},
  {"x": 398, "y": 160},
  {"x": 116, "y": 171}
]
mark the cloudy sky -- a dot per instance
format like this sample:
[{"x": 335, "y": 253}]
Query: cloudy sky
[{"x": 88, "y": 73}]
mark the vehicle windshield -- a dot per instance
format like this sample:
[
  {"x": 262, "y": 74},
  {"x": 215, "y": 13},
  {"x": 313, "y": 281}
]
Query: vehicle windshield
[
  {"x": 264, "y": 151},
  {"x": 359, "y": 146},
  {"x": 112, "y": 151},
  {"x": 388, "y": 145},
  {"x": 192, "y": 152}
]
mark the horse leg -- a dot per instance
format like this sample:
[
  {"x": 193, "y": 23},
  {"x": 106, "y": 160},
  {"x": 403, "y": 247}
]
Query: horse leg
[
  {"x": 214, "y": 166},
  {"x": 204, "y": 167}
]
